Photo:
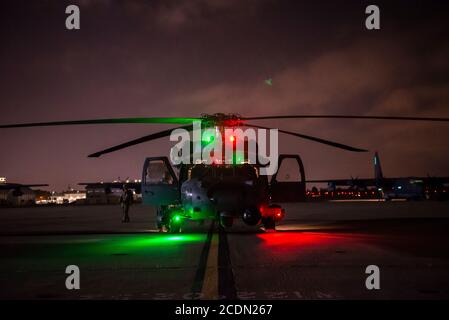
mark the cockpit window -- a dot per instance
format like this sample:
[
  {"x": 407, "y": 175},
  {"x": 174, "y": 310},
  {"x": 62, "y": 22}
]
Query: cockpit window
[
  {"x": 158, "y": 173},
  {"x": 220, "y": 172}
]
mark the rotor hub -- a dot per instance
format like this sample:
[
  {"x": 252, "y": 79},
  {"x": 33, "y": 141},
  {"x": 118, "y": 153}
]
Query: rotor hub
[{"x": 222, "y": 119}]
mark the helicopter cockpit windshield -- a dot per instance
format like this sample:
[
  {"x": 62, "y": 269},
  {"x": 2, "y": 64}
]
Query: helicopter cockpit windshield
[
  {"x": 157, "y": 173},
  {"x": 245, "y": 172}
]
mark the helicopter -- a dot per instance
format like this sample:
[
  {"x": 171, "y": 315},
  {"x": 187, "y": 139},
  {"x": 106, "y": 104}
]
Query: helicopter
[{"x": 221, "y": 191}]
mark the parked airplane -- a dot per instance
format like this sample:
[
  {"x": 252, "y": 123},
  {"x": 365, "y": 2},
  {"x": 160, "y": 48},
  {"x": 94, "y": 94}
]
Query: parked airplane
[
  {"x": 17, "y": 194},
  {"x": 410, "y": 188}
]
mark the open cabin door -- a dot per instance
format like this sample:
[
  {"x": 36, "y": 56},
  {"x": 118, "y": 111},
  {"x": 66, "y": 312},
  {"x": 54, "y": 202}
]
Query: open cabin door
[
  {"x": 288, "y": 183},
  {"x": 160, "y": 186}
]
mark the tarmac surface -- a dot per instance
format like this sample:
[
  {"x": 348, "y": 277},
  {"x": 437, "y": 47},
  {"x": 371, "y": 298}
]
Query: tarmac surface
[{"x": 320, "y": 251}]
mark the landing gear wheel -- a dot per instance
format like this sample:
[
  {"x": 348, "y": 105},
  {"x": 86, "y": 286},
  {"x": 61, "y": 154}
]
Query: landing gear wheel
[
  {"x": 161, "y": 218},
  {"x": 175, "y": 228},
  {"x": 226, "y": 222},
  {"x": 269, "y": 225},
  {"x": 175, "y": 224}
]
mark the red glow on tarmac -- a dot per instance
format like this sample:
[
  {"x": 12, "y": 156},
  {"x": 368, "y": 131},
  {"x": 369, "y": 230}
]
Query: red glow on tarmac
[
  {"x": 301, "y": 240},
  {"x": 295, "y": 239}
]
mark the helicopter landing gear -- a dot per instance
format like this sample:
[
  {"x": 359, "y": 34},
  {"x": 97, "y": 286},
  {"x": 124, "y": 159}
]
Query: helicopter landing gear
[
  {"x": 175, "y": 223},
  {"x": 168, "y": 221},
  {"x": 269, "y": 224},
  {"x": 161, "y": 219},
  {"x": 226, "y": 222},
  {"x": 174, "y": 227}
]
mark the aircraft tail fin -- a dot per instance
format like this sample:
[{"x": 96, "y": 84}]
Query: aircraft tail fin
[{"x": 377, "y": 168}]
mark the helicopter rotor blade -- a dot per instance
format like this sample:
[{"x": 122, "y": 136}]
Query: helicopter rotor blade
[
  {"x": 159, "y": 120},
  {"x": 315, "y": 139},
  {"x": 436, "y": 119},
  {"x": 134, "y": 142}
]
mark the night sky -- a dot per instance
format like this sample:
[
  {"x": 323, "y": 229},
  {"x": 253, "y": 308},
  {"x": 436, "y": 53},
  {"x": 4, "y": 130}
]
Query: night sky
[{"x": 184, "y": 58}]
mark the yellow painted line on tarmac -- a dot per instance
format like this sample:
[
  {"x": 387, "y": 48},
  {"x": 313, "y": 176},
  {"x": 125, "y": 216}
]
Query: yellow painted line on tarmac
[{"x": 210, "y": 282}]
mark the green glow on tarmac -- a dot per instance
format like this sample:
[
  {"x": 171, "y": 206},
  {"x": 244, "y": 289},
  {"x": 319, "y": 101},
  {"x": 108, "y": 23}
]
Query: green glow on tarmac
[
  {"x": 151, "y": 245},
  {"x": 158, "y": 240},
  {"x": 175, "y": 238}
]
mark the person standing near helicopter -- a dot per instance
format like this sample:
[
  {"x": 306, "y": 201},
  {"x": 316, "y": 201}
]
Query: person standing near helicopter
[{"x": 126, "y": 200}]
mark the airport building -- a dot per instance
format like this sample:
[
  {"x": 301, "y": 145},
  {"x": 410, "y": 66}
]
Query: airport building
[{"x": 66, "y": 197}]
